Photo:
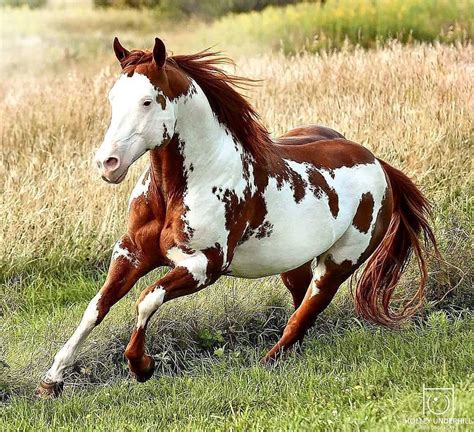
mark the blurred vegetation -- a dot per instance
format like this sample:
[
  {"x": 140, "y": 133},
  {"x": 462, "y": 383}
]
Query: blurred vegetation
[
  {"x": 32, "y": 4},
  {"x": 200, "y": 8},
  {"x": 315, "y": 26}
]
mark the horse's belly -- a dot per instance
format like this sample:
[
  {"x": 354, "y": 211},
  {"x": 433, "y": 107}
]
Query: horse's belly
[
  {"x": 255, "y": 259},
  {"x": 297, "y": 233},
  {"x": 301, "y": 230}
]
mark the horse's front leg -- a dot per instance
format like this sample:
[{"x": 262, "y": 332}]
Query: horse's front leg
[
  {"x": 127, "y": 266},
  {"x": 189, "y": 276}
]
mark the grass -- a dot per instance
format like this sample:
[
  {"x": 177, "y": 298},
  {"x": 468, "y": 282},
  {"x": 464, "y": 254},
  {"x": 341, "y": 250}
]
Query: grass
[
  {"x": 340, "y": 382},
  {"x": 410, "y": 103},
  {"x": 316, "y": 26}
]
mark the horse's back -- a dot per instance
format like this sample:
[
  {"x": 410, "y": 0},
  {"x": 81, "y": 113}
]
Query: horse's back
[
  {"x": 328, "y": 153},
  {"x": 307, "y": 134}
]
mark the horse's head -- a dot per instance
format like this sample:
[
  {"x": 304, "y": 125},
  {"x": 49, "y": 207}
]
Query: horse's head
[{"x": 143, "y": 115}]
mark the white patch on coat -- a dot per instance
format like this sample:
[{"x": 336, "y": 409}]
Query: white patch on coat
[
  {"x": 195, "y": 264},
  {"x": 211, "y": 160},
  {"x": 121, "y": 251},
  {"x": 359, "y": 180},
  {"x": 150, "y": 303},
  {"x": 307, "y": 229},
  {"x": 67, "y": 354},
  {"x": 318, "y": 273},
  {"x": 213, "y": 164},
  {"x": 141, "y": 188}
]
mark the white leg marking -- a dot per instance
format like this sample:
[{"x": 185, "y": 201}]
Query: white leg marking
[
  {"x": 195, "y": 263},
  {"x": 150, "y": 303},
  {"x": 319, "y": 272},
  {"x": 68, "y": 352}
]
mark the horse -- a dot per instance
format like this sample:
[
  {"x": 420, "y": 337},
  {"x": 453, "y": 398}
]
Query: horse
[{"x": 221, "y": 197}]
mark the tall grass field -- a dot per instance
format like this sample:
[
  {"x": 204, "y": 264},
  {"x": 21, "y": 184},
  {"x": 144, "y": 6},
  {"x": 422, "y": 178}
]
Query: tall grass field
[{"x": 397, "y": 77}]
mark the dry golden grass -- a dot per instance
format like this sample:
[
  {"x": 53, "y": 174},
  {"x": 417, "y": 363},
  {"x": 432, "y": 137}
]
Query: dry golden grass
[{"x": 411, "y": 105}]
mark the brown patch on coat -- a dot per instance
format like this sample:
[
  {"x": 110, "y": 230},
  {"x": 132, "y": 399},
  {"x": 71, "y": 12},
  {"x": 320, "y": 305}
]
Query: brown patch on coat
[
  {"x": 297, "y": 281},
  {"x": 328, "y": 154},
  {"x": 363, "y": 217},
  {"x": 161, "y": 100},
  {"x": 168, "y": 79},
  {"x": 307, "y": 134},
  {"x": 320, "y": 185}
]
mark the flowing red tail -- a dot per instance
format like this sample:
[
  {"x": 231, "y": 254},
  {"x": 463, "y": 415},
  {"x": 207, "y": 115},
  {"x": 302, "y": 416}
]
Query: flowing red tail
[{"x": 384, "y": 268}]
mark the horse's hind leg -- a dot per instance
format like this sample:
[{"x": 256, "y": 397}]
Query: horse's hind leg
[
  {"x": 333, "y": 268},
  {"x": 297, "y": 282},
  {"x": 327, "y": 278}
]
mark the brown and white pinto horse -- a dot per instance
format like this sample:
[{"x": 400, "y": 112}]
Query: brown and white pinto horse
[{"x": 221, "y": 198}]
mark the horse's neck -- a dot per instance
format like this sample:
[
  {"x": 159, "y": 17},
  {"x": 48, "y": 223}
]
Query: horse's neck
[
  {"x": 203, "y": 139},
  {"x": 202, "y": 148}
]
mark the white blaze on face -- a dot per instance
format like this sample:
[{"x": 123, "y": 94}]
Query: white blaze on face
[{"x": 139, "y": 123}]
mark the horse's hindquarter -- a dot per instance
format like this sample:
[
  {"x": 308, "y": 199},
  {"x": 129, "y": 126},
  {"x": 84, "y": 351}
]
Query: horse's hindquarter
[{"x": 312, "y": 208}]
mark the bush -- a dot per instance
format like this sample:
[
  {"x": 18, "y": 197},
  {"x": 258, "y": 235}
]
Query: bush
[
  {"x": 316, "y": 26},
  {"x": 128, "y": 3},
  {"x": 32, "y": 4},
  {"x": 203, "y": 8}
]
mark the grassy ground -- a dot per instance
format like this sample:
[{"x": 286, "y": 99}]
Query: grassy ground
[
  {"x": 351, "y": 378},
  {"x": 411, "y": 105}
]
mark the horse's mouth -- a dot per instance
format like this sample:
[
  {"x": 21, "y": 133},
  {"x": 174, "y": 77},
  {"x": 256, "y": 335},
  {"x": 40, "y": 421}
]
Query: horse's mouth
[{"x": 117, "y": 180}]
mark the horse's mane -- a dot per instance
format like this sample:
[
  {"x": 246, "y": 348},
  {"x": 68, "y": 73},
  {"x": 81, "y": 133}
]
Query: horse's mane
[{"x": 221, "y": 88}]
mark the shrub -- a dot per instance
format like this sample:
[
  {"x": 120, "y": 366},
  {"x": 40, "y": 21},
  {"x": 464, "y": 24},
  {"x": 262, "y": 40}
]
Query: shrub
[
  {"x": 32, "y": 4},
  {"x": 202, "y": 8}
]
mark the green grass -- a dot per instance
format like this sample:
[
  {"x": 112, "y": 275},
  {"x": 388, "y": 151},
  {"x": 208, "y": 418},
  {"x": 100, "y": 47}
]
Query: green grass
[
  {"x": 55, "y": 39},
  {"x": 349, "y": 376}
]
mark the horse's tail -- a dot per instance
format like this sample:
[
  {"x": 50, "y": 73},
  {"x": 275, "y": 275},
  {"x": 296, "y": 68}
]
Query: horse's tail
[{"x": 384, "y": 268}]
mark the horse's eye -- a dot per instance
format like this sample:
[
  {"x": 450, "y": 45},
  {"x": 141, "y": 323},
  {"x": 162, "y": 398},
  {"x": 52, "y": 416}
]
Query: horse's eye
[{"x": 147, "y": 103}]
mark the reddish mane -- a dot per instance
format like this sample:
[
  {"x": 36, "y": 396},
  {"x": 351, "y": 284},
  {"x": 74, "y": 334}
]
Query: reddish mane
[{"x": 221, "y": 89}]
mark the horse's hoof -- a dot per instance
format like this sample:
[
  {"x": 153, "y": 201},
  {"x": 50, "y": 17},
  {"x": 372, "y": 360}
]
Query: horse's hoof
[
  {"x": 147, "y": 372},
  {"x": 268, "y": 362},
  {"x": 47, "y": 390}
]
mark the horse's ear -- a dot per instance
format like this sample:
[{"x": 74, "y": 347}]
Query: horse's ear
[
  {"x": 120, "y": 52},
  {"x": 159, "y": 52}
]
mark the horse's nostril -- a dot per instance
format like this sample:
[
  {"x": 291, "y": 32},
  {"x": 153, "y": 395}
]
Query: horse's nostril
[{"x": 111, "y": 163}]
